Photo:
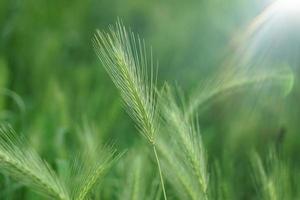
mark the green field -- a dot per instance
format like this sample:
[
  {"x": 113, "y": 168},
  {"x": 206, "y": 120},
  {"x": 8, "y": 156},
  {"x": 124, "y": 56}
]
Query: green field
[{"x": 149, "y": 100}]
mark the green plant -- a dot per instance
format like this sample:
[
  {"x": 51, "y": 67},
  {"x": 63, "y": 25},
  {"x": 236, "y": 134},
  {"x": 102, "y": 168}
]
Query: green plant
[
  {"x": 272, "y": 179},
  {"x": 183, "y": 153},
  {"x": 24, "y": 164},
  {"x": 125, "y": 59},
  {"x": 20, "y": 161},
  {"x": 137, "y": 180},
  {"x": 237, "y": 80},
  {"x": 170, "y": 125}
]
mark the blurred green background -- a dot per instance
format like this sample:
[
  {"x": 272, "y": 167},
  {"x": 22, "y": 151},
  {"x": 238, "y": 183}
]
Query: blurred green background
[{"x": 51, "y": 82}]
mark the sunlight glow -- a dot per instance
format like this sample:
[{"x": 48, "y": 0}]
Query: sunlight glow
[
  {"x": 287, "y": 7},
  {"x": 279, "y": 9}
]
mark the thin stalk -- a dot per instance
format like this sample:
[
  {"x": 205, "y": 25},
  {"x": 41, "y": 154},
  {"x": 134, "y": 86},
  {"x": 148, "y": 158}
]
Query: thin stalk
[{"x": 160, "y": 173}]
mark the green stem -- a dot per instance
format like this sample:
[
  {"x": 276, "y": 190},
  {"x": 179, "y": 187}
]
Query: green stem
[{"x": 160, "y": 173}]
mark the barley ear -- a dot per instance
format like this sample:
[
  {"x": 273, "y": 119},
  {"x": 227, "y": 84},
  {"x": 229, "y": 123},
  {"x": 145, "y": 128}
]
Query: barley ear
[
  {"x": 21, "y": 162},
  {"x": 124, "y": 56}
]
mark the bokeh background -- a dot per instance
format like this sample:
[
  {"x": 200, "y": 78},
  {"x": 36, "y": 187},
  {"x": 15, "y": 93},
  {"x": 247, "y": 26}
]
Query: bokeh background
[{"x": 52, "y": 85}]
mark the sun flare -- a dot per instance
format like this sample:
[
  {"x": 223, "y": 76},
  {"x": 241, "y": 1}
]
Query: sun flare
[{"x": 287, "y": 7}]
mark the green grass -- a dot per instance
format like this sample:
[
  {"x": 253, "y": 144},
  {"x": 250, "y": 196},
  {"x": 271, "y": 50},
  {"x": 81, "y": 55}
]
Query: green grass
[
  {"x": 169, "y": 125},
  {"x": 190, "y": 117}
]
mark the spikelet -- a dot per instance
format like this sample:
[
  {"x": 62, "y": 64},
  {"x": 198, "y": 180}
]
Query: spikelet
[
  {"x": 24, "y": 164},
  {"x": 124, "y": 57}
]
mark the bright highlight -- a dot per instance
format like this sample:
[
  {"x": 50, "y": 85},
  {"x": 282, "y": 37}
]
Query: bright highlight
[{"x": 287, "y": 6}]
